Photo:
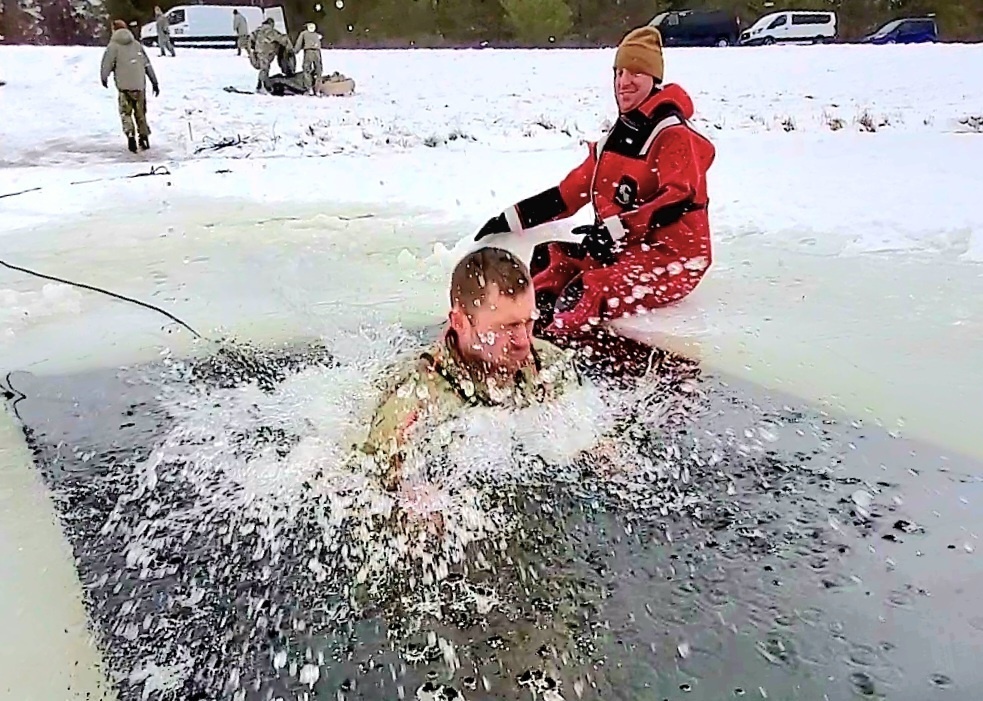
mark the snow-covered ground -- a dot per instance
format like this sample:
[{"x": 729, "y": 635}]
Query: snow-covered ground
[
  {"x": 506, "y": 100},
  {"x": 845, "y": 204}
]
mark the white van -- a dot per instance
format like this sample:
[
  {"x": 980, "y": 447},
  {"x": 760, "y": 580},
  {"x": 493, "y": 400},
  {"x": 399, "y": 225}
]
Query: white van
[
  {"x": 210, "y": 26},
  {"x": 791, "y": 26}
]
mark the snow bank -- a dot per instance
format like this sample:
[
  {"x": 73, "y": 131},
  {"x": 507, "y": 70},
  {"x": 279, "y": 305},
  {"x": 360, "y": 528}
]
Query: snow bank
[{"x": 55, "y": 111}]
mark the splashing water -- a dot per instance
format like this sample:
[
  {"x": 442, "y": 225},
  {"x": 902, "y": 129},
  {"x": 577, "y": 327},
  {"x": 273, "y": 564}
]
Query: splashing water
[
  {"x": 255, "y": 508},
  {"x": 251, "y": 538}
]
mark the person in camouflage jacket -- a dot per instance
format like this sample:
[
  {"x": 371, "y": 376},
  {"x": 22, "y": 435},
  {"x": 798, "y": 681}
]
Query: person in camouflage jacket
[
  {"x": 486, "y": 357},
  {"x": 264, "y": 44},
  {"x": 125, "y": 59}
]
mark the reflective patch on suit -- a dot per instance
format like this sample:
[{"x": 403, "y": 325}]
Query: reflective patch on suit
[{"x": 626, "y": 194}]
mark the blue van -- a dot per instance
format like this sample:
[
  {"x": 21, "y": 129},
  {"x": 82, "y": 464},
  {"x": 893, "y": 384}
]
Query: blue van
[{"x": 911, "y": 30}]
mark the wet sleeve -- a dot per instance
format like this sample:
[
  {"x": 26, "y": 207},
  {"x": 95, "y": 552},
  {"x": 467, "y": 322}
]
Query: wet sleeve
[
  {"x": 389, "y": 431},
  {"x": 674, "y": 158},
  {"x": 560, "y": 202}
]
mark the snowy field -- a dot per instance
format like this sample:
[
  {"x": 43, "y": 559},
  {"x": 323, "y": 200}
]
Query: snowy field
[{"x": 845, "y": 204}]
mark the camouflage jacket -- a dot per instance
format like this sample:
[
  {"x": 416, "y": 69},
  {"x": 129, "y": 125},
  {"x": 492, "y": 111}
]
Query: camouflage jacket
[
  {"x": 439, "y": 387},
  {"x": 266, "y": 39}
]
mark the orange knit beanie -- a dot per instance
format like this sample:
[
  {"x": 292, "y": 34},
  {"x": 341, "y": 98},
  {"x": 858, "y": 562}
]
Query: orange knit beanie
[{"x": 641, "y": 52}]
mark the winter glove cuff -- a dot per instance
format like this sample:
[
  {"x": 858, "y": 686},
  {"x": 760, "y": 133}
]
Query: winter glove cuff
[{"x": 495, "y": 225}]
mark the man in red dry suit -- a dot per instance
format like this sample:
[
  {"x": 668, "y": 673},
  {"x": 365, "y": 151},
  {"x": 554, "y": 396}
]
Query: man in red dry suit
[{"x": 646, "y": 180}]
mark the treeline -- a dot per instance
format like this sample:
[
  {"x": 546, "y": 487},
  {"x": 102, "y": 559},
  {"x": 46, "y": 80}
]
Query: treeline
[{"x": 435, "y": 23}]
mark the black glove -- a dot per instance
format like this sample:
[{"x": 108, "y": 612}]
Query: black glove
[
  {"x": 105, "y": 83},
  {"x": 495, "y": 225},
  {"x": 156, "y": 91},
  {"x": 597, "y": 242}
]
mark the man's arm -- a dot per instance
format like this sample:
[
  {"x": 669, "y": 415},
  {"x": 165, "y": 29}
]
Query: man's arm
[
  {"x": 559, "y": 202},
  {"x": 391, "y": 425},
  {"x": 108, "y": 64},
  {"x": 149, "y": 69}
]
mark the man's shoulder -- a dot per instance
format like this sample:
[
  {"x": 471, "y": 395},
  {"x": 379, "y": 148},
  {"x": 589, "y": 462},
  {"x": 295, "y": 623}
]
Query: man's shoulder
[
  {"x": 556, "y": 365},
  {"x": 416, "y": 391},
  {"x": 549, "y": 353},
  {"x": 415, "y": 382}
]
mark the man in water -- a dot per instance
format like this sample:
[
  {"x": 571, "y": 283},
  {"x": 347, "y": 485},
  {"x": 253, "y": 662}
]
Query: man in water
[
  {"x": 649, "y": 245},
  {"x": 486, "y": 357}
]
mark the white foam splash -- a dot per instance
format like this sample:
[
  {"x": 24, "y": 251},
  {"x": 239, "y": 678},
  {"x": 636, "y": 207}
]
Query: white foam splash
[{"x": 20, "y": 309}]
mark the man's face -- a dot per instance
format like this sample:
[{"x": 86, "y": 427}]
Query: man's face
[
  {"x": 498, "y": 332},
  {"x": 631, "y": 89}
]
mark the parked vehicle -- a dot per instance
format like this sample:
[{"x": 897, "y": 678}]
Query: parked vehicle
[
  {"x": 791, "y": 26},
  {"x": 910, "y": 30},
  {"x": 210, "y": 26},
  {"x": 696, "y": 28}
]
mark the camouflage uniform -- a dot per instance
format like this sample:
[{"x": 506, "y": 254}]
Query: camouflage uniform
[
  {"x": 130, "y": 66},
  {"x": 164, "y": 34},
  {"x": 241, "y": 28},
  {"x": 264, "y": 44},
  {"x": 310, "y": 43},
  {"x": 440, "y": 387}
]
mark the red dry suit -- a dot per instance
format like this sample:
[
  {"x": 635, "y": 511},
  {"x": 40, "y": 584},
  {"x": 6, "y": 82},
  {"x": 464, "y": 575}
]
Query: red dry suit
[{"x": 646, "y": 179}]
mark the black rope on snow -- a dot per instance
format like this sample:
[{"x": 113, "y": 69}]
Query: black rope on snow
[
  {"x": 100, "y": 290},
  {"x": 22, "y": 192},
  {"x": 10, "y": 392},
  {"x": 154, "y": 170}
]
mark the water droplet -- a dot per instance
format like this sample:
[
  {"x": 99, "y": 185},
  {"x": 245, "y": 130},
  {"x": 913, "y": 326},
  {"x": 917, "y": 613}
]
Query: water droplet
[
  {"x": 941, "y": 681},
  {"x": 900, "y": 599},
  {"x": 862, "y": 498},
  {"x": 862, "y": 683},
  {"x": 863, "y": 655}
]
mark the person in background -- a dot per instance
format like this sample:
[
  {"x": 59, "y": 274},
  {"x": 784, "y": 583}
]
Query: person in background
[
  {"x": 309, "y": 42},
  {"x": 126, "y": 60},
  {"x": 486, "y": 356},
  {"x": 241, "y": 28},
  {"x": 266, "y": 41},
  {"x": 649, "y": 244},
  {"x": 163, "y": 32}
]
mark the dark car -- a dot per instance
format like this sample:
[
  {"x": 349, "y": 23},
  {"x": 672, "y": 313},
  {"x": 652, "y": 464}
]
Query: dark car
[
  {"x": 696, "y": 28},
  {"x": 911, "y": 30}
]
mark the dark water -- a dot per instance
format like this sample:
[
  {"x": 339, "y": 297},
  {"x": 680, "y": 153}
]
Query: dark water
[{"x": 792, "y": 556}]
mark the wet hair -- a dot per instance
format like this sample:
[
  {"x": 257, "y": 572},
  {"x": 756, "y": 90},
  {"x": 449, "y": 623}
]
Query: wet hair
[{"x": 486, "y": 272}]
